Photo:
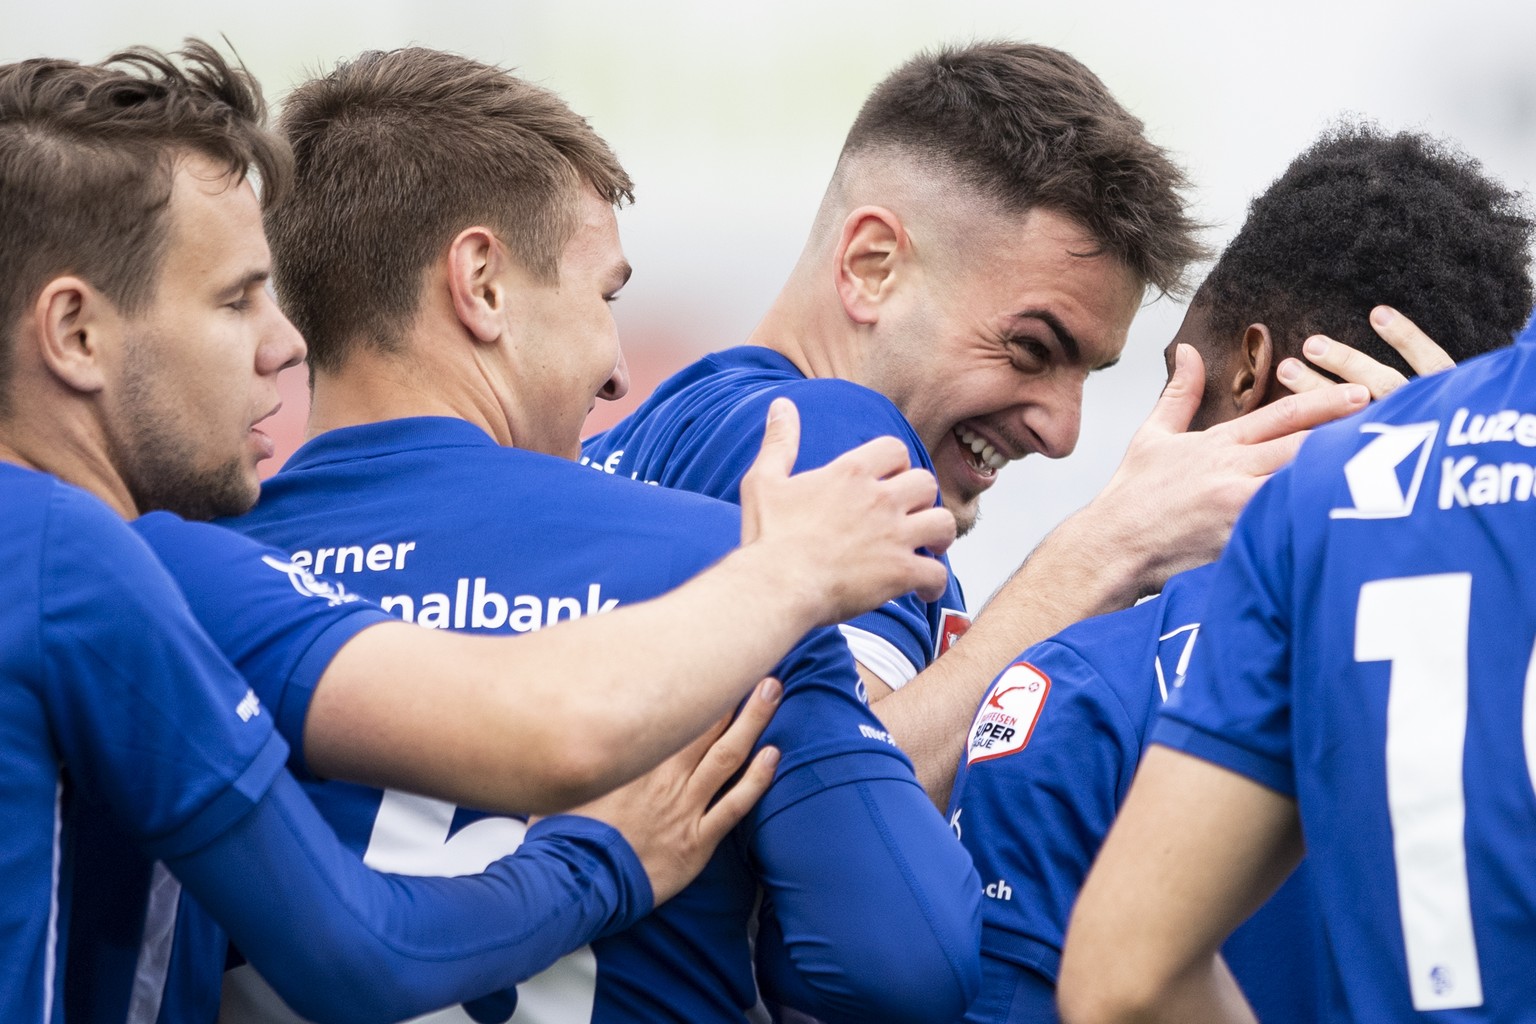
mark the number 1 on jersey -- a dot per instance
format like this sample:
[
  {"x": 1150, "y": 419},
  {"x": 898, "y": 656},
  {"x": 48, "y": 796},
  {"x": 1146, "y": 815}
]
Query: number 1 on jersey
[{"x": 1419, "y": 624}]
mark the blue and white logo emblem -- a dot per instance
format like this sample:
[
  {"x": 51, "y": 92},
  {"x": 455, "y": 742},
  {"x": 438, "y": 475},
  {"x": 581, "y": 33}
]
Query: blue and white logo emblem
[
  {"x": 1384, "y": 477},
  {"x": 332, "y": 594}
]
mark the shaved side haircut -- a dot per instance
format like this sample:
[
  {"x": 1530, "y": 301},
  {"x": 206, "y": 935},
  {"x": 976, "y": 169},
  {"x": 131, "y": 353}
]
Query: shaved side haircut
[{"x": 1030, "y": 127}]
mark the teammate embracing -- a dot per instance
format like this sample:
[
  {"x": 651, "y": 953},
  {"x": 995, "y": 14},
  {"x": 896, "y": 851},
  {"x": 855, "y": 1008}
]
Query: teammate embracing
[
  {"x": 450, "y": 251},
  {"x": 1361, "y": 218},
  {"x": 140, "y": 351},
  {"x": 1361, "y": 693},
  {"x": 990, "y": 230}
]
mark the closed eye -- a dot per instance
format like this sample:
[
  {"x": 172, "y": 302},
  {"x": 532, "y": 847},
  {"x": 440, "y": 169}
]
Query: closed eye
[{"x": 1032, "y": 353}]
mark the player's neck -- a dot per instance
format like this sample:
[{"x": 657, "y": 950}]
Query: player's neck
[
  {"x": 75, "y": 456},
  {"x": 374, "y": 388},
  {"x": 817, "y": 337}
]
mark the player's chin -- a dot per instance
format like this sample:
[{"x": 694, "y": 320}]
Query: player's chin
[
  {"x": 230, "y": 490},
  {"x": 963, "y": 503},
  {"x": 966, "y": 514}
]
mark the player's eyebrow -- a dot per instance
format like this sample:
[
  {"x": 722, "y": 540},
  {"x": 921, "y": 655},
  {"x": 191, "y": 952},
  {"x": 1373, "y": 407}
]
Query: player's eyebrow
[
  {"x": 1064, "y": 338},
  {"x": 1070, "y": 346},
  {"x": 245, "y": 283}
]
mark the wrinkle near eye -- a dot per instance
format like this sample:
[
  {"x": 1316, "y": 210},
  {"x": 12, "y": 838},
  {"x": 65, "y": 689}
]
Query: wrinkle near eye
[{"x": 1034, "y": 354}]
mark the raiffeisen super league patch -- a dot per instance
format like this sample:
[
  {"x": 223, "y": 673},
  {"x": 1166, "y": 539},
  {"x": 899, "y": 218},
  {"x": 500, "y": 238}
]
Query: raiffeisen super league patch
[{"x": 1007, "y": 718}]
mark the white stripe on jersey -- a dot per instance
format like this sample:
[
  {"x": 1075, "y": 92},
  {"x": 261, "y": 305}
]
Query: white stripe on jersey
[
  {"x": 51, "y": 953},
  {"x": 154, "y": 962}
]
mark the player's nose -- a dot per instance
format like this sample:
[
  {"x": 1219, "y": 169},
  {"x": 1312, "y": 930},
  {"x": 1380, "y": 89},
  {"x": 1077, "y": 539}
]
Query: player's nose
[
  {"x": 617, "y": 385},
  {"x": 1058, "y": 419},
  {"x": 281, "y": 346}
]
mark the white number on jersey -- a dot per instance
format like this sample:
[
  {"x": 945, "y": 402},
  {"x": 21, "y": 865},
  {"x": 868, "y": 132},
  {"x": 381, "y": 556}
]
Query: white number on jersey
[
  {"x": 1420, "y": 625},
  {"x": 411, "y": 837}
]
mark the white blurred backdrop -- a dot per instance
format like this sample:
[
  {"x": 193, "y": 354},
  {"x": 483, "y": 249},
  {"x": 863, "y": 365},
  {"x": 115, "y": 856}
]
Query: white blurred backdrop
[{"x": 730, "y": 115}]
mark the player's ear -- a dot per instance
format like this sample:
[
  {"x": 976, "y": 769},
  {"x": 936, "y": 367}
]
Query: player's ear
[
  {"x": 1252, "y": 378},
  {"x": 870, "y": 254},
  {"x": 475, "y": 263},
  {"x": 72, "y": 326}
]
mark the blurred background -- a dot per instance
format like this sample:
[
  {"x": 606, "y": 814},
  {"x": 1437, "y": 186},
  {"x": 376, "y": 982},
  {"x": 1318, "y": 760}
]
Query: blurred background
[{"x": 730, "y": 115}]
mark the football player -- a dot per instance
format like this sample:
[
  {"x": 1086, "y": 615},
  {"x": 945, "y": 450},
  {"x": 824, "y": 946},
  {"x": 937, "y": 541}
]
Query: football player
[
  {"x": 141, "y": 347},
  {"x": 994, "y": 222},
  {"x": 453, "y": 365},
  {"x": 1360, "y": 695},
  {"x": 1361, "y": 217}
]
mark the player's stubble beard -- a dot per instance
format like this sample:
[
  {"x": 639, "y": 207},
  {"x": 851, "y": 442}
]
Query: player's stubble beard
[{"x": 156, "y": 454}]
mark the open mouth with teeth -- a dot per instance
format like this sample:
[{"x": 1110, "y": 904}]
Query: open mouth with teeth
[{"x": 985, "y": 459}]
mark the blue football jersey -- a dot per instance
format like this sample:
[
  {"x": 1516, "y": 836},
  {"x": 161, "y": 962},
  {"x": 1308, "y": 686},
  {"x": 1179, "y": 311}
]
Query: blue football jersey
[
  {"x": 131, "y": 746},
  {"x": 446, "y": 529},
  {"x": 701, "y": 429},
  {"x": 116, "y": 708},
  {"x": 303, "y": 623},
  {"x": 1048, "y": 762},
  {"x": 1369, "y": 651}
]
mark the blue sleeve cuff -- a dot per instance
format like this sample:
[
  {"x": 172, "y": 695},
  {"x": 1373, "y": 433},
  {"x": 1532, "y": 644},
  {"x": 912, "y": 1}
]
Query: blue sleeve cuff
[
  {"x": 817, "y": 776},
  {"x": 635, "y": 897},
  {"x": 1192, "y": 740},
  {"x": 228, "y": 808},
  {"x": 299, "y": 688},
  {"x": 1022, "y": 951}
]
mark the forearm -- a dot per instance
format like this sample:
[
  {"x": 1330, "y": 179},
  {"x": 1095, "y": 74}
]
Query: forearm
[
  {"x": 550, "y": 720},
  {"x": 1206, "y": 992},
  {"x": 1069, "y": 577},
  {"x": 1194, "y": 852},
  {"x": 340, "y": 942}
]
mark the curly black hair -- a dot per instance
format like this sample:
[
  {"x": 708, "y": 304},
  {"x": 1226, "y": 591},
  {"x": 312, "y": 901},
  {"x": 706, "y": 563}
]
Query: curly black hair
[{"x": 1363, "y": 218}]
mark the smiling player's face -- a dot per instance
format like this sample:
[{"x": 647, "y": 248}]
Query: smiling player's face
[
  {"x": 988, "y": 364},
  {"x": 568, "y": 344}
]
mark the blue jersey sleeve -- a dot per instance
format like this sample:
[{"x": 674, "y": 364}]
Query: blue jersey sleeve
[
  {"x": 870, "y": 906},
  {"x": 151, "y": 720},
  {"x": 1048, "y": 759},
  {"x": 703, "y": 433},
  {"x": 342, "y": 943},
  {"x": 1243, "y": 723},
  {"x": 902, "y": 636},
  {"x": 277, "y": 624}
]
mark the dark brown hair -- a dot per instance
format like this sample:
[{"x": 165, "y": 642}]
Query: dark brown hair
[
  {"x": 1028, "y": 126},
  {"x": 87, "y": 158},
  {"x": 395, "y": 154}
]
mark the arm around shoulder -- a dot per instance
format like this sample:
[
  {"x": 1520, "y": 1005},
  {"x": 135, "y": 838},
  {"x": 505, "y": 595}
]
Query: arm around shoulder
[{"x": 346, "y": 945}]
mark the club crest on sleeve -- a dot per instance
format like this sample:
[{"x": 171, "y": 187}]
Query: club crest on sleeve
[
  {"x": 332, "y": 593},
  {"x": 952, "y": 626},
  {"x": 1007, "y": 718}
]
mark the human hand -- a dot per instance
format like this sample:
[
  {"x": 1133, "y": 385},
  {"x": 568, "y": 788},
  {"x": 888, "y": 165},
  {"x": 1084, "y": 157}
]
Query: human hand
[
  {"x": 846, "y": 533},
  {"x": 1172, "y": 502},
  {"x": 1417, "y": 349},
  {"x": 670, "y": 816}
]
